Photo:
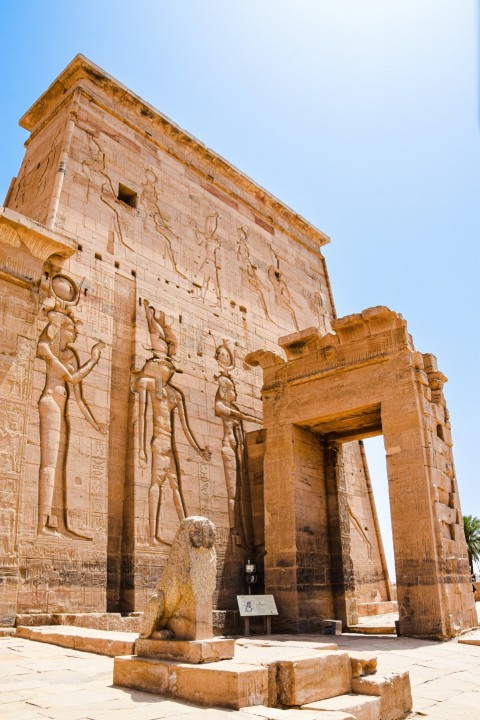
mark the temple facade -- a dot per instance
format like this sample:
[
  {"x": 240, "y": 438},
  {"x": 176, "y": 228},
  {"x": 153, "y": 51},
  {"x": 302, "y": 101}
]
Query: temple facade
[{"x": 139, "y": 274}]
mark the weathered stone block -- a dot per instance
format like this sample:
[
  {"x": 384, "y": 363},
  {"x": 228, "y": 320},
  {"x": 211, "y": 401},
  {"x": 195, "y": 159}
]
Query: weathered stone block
[
  {"x": 393, "y": 690},
  {"x": 142, "y": 674},
  {"x": 361, "y": 707},
  {"x": 268, "y": 713},
  {"x": 193, "y": 651},
  {"x": 86, "y": 639},
  {"x": 222, "y": 684},
  {"x": 362, "y": 663},
  {"x": 314, "y": 678}
]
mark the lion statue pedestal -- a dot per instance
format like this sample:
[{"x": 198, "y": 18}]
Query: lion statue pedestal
[
  {"x": 176, "y": 653},
  {"x": 177, "y": 622}
]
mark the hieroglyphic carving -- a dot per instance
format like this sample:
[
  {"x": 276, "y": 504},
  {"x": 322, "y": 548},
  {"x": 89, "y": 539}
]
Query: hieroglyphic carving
[
  {"x": 14, "y": 382},
  {"x": 11, "y": 436},
  {"x": 283, "y": 296},
  {"x": 206, "y": 505},
  {"x": 96, "y": 164},
  {"x": 151, "y": 202},
  {"x": 249, "y": 271},
  {"x": 208, "y": 262},
  {"x": 98, "y": 307},
  {"x": 14, "y": 392},
  {"x": 192, "y": 345},
  {"x": 234, "y": 448},
  {"x": 63, "y": 369},
  {"x": 7, "y": 536},
  {"x": 154, "y": 387}
]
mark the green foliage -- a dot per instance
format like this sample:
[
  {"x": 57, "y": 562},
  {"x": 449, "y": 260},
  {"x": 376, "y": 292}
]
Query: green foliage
[{"x": 471, "y": 527}]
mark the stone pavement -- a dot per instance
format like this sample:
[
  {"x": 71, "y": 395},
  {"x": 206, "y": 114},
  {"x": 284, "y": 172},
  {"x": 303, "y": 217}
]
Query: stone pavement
[{"x": 39, "y": 681}]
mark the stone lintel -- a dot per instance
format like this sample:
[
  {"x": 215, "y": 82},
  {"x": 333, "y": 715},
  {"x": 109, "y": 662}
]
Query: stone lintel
[
  {"x": 189, "y": 651},
  {"x": 219, "y": 175}
]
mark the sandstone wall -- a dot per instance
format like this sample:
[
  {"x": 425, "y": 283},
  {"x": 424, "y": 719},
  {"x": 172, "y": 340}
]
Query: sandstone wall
[{"x": 154, "y": 223}]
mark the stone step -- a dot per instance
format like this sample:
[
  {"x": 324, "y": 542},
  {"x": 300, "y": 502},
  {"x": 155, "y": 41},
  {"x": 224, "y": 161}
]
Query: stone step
[
  {"x": 220, "y": 684},
  {"x": 305, "y": 680},
  {"x": 248, "y": 679},
  {"x": 377, "y": 629},
  {"x": 260, "y": 712},
  {"x": 361, "y": 707},
  {"x": 393, "y": 690},
  {"x": 101, "y": 642},
  {"x": 377, "y": 608},
  {"x": 98, "y": 621}
]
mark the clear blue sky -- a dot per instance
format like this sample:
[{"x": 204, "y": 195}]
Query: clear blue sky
[{"x": 361, "y": 115}]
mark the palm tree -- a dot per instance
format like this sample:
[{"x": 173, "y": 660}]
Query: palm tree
[{"x": 471, "y": 526}]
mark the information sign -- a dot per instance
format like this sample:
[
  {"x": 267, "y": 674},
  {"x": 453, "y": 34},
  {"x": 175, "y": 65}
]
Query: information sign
[{"x": 256, "y": 605}]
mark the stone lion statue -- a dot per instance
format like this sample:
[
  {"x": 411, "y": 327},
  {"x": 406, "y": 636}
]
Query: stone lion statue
[{"x": 181, "y": 606}]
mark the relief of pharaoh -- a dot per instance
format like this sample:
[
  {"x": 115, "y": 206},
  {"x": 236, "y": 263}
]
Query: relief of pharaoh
[
  {"x": 63, "y": 373},
  {"x": 155, "y": 389},
  {"x": 234, "y": 448}
]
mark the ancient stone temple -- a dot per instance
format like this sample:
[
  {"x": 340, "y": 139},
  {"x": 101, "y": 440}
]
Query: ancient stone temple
[{"x": 138, "y": 270}]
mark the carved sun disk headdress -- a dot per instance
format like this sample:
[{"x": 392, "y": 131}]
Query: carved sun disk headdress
[
  {"x": 225, "y": 357},
  {"x": 65, "y": 290}
]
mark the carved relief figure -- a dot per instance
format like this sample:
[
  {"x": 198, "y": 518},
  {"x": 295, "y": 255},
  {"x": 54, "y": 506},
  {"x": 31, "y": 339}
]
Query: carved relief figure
[
  {"x": 97, "y": 164},
  {"x": 283, "y": 296},
  {"x": 209, "y": 262},
  {"x": 36, "y": 177},
  {"x": 315, "y": 303},
  {"x": 234, "y": 449},
  {"x": 7, "y": 536},
  {"x": 154, "y": 387},
  {"x": 249, "y": 271},
  {"x": 63, "y": 371},
  {"x": 151, "y": 203}
]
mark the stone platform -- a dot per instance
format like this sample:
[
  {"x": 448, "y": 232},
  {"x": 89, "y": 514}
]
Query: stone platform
[
  {"x": 102, "y": 642},
  {"x": 42, "y": 680},
  {"x": 274, "y": 675}
]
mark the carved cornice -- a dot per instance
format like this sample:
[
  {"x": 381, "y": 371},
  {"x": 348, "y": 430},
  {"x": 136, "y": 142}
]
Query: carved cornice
[
  {"x": 25, "y": 245},
  {"x": 372, "y": 336},
  {"x": 215, "y": 171}
]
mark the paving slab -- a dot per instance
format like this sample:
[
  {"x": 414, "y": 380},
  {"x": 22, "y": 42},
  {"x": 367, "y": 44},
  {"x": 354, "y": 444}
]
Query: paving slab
[{"x": 30, "y": 671}]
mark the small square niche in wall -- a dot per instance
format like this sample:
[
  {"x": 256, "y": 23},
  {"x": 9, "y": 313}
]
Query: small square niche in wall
[{"x": 126, "y": 195}]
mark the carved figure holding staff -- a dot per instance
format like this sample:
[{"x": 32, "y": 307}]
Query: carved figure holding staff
[
  {"x": 155, "y": 389},
  {"x": 234, "y": 450}
]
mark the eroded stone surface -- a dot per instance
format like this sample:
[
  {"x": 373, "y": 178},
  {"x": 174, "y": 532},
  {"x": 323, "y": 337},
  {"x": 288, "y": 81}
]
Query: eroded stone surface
[
  {"x": 393, "y": 690},
  {"x": 362, "y": 663},
  {"x": 191, "y": 651},
  {"x": 305, "y": 680},
  {"x": 181, "y": 606},
  {"x": 361, "y": 707},
  {"x": 221, "y": 684}
]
